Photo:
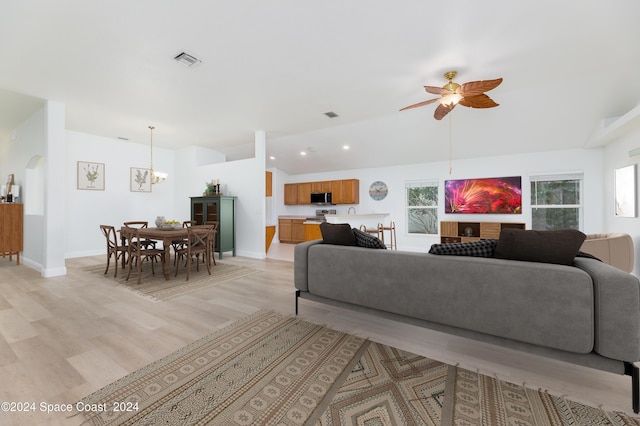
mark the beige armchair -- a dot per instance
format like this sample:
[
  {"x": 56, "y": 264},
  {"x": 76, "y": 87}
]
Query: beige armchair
[{"x": 615, "y": 249}]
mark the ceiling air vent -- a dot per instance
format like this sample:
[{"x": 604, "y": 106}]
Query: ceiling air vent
[
  {"x": 331, "y": 114},
  {"x": 187, "y": 60}
]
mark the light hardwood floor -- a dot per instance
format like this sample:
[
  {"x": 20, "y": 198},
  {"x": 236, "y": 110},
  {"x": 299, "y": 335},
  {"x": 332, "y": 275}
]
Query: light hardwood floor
[{"x": 62, "y": 338}]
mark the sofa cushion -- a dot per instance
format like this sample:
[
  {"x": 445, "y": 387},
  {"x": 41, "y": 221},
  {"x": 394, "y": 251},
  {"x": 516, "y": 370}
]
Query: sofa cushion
[
  {"x": 364, "y": 239},
  {"x": 337, "y": 233},
  {"x": 482, "y": 248},
  {"x": 558, "y": 247}
]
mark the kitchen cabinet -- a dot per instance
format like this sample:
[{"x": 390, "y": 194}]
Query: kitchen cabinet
[
  {"x": 221, "y": 209},
  {"x": 291, "y": 230},
  {"x": 321, "y": 186},
  {"x": 346, "y": 191},
  {"x": 11, "y": 234},
  {"x": 304, "y": 193},
  {"x": 312, "y": 231},
  {"x": 291, "y": 193}
]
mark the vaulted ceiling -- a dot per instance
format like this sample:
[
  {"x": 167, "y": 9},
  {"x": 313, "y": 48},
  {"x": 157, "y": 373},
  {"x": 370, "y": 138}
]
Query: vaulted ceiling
[{"x": 280, "y": 65}]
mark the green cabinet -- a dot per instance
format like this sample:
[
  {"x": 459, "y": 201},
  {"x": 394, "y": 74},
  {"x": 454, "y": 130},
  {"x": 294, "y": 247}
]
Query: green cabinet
[{"x": 221, "y": 209}]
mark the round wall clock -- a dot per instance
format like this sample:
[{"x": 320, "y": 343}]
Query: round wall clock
[{"x": 378, "y": 190}]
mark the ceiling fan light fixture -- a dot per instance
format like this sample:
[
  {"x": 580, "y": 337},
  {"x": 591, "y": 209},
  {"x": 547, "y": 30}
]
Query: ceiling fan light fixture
[
  {"x": 450, "y": 99},
  {"x": 470, "y": 95}
]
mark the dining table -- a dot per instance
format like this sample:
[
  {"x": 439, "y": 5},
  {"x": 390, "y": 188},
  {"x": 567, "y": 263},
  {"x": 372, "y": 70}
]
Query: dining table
[{"x": 166, "y": 235}]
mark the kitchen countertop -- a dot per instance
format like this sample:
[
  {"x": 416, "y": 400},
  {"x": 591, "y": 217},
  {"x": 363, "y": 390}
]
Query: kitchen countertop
[{"x": 355, "y": 220}]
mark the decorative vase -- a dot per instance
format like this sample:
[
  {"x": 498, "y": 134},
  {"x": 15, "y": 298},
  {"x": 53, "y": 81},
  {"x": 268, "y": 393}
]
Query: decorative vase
[{"x": 159, "y": 221}]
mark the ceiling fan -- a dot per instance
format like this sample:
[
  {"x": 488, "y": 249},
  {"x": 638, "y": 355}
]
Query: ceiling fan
[{"x": 469, "y": 94}]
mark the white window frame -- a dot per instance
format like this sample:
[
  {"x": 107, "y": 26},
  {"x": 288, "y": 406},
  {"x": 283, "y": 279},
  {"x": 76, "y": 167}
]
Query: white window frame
[
  {"x": 579, "y": 176},
  {"x": 419, "y": 184}
]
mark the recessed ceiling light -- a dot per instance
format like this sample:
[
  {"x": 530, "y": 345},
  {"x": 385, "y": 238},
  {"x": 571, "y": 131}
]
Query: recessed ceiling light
[
  {"x": 345, "y": 147},
  {"x": 331, "y": 114},
  {"x": 303, "y": 153},
  {"x": 272, "y": 157}
]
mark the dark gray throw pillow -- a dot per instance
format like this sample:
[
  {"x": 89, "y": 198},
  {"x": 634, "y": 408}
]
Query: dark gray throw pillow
[
  {"x": 364, "y": 239},
  {"x": 337, "y": 233},
  {"x": 481, "y": 248},
  {"x": 559, "y": 246}
]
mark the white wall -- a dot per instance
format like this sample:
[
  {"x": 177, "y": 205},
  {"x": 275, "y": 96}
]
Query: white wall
[
  {"x": 616, "y": 156},
  {"x": 54, "y": 194},
  {"x": 244, "y": 179},
  {"x": 27, "y": 141},
  {"x": 588, "y": 161},
  {"x": 34, "y": 153},
  {"x": 88, "y": 209}
]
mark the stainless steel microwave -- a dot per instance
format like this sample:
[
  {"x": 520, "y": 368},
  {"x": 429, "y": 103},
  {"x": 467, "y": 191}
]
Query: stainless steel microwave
[{"x": 320, "y": 198}]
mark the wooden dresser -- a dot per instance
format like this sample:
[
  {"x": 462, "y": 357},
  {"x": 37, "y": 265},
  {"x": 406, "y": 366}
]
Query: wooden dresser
[{"x": 11, "y": 218}]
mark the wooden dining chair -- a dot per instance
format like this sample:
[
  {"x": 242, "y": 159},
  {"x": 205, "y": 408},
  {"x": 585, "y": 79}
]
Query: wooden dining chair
[
  {"x": 215, "y": 224},
  {"x": 119, "y": 251},
  {"x": 198, "y": 243},
  {"x": 138, "y": 252},
  {"x": 182, "y": 243},
  {"x": 138, "y": 224}
]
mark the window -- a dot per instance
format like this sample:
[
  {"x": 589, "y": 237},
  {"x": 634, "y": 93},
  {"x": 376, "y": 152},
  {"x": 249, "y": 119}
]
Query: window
[
  {"x": 422, "y": 207},
  {"x": 556, "y": 201}
]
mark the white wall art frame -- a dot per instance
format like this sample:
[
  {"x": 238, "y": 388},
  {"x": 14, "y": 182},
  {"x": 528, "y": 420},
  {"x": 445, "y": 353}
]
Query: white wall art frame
[
  {"x": 140, "y": 179},
  {"x": 90, "y": 175}
]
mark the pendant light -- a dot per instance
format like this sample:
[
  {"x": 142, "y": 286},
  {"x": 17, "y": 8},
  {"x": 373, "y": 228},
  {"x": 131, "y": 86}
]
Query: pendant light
[{"x": 156, "y": 177}]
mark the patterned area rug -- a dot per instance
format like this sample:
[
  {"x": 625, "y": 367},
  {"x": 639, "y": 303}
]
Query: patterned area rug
[
  {"x": 272, "y": 369},
  {"x": 157, "y": 287}
]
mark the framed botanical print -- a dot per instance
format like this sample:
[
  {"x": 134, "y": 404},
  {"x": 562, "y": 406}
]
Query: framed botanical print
[
  {"x": 140, "y": 179},
  {"x": 90, "y": 175}
]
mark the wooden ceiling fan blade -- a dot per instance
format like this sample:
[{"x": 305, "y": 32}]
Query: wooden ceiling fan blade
[
  {"x": 437, "y": 90},
  {"x": 474, "y": 88},
  {"x": 419, "y": 104},
  {"x": 442, "y": 110},
  {"x": 479, "y": 101}
]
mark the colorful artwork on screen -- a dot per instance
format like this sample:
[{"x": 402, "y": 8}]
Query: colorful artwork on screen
[{"x": 489, "y": 195}]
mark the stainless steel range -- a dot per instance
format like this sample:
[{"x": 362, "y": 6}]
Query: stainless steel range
[{"x": 319, "y": 217}]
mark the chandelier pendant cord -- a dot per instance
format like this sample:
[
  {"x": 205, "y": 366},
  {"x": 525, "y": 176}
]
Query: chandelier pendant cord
[
  {"x": 450, "y": 143},
  {"x": 151, "y": 156}
]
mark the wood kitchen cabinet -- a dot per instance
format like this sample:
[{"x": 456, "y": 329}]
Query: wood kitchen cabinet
[
  {"x": 312, "y": 232},
  {"x": 346, "y": 191},
  {"x": 11, "y": 223},
  {"x": 291, "y": 230},
  {"x": 221, "y": 209},
  {"x": 304, "y": 193},
  {"x": 321, "y": 186},
  {"x": 291, "y": 193}
]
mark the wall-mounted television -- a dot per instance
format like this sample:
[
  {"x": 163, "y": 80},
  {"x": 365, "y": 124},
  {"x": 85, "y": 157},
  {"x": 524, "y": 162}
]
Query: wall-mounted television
[{"x": 501, "y": 195}]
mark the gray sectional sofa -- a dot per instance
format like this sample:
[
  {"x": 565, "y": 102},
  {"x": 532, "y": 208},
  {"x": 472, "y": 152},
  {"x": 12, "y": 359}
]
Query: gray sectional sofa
[{"x": 587, "y": 314}]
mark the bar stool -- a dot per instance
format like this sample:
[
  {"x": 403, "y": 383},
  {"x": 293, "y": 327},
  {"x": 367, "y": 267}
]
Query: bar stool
[
  {"x": 393, "y": 242},
  {"x": 377, "y": 230}
]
